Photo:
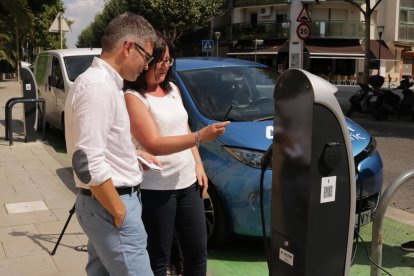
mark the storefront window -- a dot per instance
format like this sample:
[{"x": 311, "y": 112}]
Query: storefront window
[{"x": 403, "y": 16}]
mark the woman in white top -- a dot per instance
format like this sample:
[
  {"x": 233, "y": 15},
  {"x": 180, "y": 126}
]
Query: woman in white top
[{"x": 172, "y": 197}]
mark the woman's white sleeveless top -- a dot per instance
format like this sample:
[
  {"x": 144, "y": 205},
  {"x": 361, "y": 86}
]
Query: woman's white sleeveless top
[{"x": 171, "y": 118}]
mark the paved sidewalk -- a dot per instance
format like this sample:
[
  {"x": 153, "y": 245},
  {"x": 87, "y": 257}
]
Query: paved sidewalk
[{"x": 35, "y": 173}]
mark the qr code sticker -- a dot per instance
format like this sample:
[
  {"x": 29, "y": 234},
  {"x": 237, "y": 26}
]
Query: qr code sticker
[{"x": 328, "y": 189}]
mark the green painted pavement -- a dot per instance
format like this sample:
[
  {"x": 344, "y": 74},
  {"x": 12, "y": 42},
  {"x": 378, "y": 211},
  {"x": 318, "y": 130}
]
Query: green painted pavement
[{"x": 247, "y": 257}]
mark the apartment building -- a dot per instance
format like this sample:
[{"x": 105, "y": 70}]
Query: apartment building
[{"x": 262, "y": 29}]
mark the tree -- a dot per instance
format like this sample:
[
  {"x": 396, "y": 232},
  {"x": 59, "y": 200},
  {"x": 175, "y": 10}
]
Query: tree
[
  {"x": 45, "y": 12},
  {"x": 24, "y": 25},
  {"x": 174, "y": 17},
  {"x": 17, "y": 19},
  {"x": 170, "y": 17},
  {"x": 367, "y": 16},
  {"x": 91, "y": 35}
]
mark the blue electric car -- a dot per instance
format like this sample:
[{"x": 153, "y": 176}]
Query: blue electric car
[{"x": 218, "y": 89}]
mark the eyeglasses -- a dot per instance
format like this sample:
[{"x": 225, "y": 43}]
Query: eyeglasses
[
  {"x": 168, "y": 61},
  {"x": 148, "y": 57}
]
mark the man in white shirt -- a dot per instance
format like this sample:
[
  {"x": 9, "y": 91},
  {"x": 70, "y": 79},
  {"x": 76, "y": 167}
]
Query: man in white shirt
[{"x": 104, "y": 161}]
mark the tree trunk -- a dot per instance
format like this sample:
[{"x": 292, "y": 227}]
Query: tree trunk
[{"x": 17, "y": 53}]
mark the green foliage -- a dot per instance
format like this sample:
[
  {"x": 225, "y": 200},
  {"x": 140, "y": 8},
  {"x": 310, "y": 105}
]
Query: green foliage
[
  {"x": 41, "y": 37},
  {"x": 91, "y": 36},
  {"x": 171, "y": 17},
  {"x": 15, "y": 20},
  {"x": 24, "y": 25}
]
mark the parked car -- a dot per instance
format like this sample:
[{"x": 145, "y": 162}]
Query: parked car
[
  {"x": 55, "y": 71},
  {"x": 217, "y": 89}
]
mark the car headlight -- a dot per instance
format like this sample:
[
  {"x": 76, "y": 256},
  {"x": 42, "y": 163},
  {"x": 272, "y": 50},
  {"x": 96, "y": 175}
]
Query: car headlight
[
  {"x": 249, "y": 157},
  {"x": 369, "y": 150}
]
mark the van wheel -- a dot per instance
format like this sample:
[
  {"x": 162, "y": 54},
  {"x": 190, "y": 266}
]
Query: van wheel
[{"x": 218, "y": 230}]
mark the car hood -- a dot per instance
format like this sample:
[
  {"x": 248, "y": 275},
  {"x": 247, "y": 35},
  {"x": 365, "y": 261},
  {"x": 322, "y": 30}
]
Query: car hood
[{"x": 259, "y": 135}]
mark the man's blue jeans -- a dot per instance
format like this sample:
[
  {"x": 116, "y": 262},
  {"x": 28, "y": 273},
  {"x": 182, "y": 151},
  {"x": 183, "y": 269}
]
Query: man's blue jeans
[{"x": 114, "y": 251}]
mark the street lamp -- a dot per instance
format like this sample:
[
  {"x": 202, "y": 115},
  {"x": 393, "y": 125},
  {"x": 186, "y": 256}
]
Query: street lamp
[
  {"x": 380, "y": 30},
  {"x": 257, "y": 42},
  {"x": 217, "y": 36}
]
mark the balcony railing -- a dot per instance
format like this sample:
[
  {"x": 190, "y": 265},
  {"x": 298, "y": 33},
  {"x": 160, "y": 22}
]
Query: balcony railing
[
  {"x": 337, "y": 29},
  {"x": 244, "y": 3},
  {"x": 262, "y": 30},
  {"x": 277, "y": 30}
]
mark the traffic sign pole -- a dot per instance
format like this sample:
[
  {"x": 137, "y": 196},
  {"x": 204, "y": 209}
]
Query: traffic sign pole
[{"x": 295, "y": 43}]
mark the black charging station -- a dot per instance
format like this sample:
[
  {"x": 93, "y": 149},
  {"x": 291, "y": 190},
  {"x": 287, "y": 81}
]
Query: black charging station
[
  {"x": 313, "y": 190},
  {"x": 29, "y": 92}
]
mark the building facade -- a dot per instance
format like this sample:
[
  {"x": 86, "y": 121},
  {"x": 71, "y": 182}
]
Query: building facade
[{"x": 262, "y": 30}]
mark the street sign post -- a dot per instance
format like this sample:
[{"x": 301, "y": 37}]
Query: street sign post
[
  {"x": 207, "y": 46},
  {"x": 59, "y": 25}
]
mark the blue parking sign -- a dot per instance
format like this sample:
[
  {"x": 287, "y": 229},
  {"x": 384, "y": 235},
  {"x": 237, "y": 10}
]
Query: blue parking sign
[{"x": 207, "y": 45}]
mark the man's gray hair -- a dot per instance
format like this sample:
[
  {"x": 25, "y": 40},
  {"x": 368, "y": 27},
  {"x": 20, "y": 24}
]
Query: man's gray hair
[{"x": 127, "y": 26}]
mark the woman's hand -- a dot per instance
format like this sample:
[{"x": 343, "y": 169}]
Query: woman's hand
[
  {"x": 212, "y": 131},
  {"x": 149, "y": 158},
  {"x": 201, "y": 178}
]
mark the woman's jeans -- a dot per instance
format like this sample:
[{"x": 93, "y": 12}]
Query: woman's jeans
[{"x": 183, "y": 210}]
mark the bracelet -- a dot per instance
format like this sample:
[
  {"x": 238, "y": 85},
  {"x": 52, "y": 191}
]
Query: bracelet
[{"x": 197, "y": 139}]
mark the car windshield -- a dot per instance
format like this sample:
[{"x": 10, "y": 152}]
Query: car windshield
[
  {"x": 76, "y": 65},
  {"x": 237, "y": 93}
]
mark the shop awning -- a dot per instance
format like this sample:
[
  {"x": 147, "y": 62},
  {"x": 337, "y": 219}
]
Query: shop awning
[
  {"x": 335, "y": 48},
  {"x": 385, "y": 51}
]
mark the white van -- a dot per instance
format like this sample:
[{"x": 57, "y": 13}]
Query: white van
[{"x": 55, "y": 71}]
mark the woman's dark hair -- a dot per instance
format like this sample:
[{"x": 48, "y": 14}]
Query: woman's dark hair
[{"x": 140, "y": 85}]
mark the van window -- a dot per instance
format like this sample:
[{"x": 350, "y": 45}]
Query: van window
[
  {"x": 76, "y": 65},
  {"x": 57, "y": 72}
]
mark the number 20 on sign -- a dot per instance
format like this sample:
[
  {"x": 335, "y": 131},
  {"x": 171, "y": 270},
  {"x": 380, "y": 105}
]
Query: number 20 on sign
[{"x": 303, "y": 31}]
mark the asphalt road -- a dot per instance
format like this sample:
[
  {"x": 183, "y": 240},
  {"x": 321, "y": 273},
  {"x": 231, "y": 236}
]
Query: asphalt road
[{"x": 395, "y": 143}]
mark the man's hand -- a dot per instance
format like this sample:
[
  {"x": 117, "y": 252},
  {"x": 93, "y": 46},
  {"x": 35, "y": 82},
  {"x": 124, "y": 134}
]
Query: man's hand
[
  {"x": 108, "y": 197},
  {"x": 120, "y": 217}
]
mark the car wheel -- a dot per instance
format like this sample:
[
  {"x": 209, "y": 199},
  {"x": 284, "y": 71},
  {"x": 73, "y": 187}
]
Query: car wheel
[{"x": 217, "y": 226}]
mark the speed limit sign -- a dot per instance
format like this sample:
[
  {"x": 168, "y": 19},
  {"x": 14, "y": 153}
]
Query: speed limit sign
[{"x": 303, "y": 31}]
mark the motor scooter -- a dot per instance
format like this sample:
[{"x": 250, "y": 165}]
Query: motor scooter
[
  {"x": 407, "y": 102},
  {"x": 380, "y": 103}
]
